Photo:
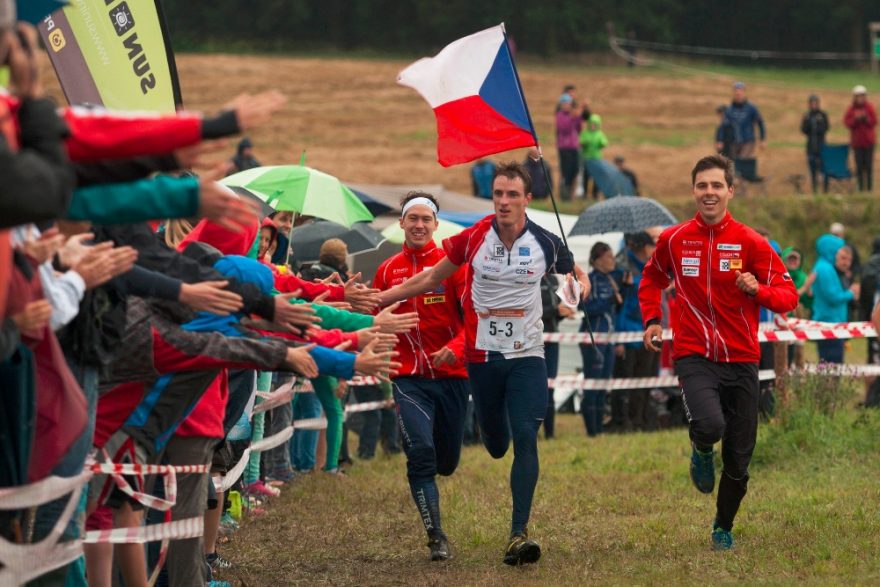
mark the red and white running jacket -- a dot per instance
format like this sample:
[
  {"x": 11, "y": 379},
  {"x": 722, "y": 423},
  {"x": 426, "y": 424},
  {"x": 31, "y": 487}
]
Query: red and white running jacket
[{"x": 715, "y": 318}]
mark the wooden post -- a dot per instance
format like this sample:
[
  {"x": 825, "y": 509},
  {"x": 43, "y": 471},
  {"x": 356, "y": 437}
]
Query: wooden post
[
  {"x": 874, "y": 29},
  {"x": 780, "y": 365}
]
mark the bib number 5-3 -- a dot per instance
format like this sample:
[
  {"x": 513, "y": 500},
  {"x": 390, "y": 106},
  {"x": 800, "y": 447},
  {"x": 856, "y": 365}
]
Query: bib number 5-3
[{"x": 501, "y": 330}]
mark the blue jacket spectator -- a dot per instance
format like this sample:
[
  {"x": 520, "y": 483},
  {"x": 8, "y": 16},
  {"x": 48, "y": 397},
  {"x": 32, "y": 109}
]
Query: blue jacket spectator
[
  {"x": 742, "y": 119},
  {"x": 830, "y": 299},
  {"x": 482, "y": 174}
]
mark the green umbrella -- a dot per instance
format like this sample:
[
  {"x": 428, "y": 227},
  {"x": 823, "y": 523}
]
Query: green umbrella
[
  {"x": 445, "y": 229},
  {"x": 300, "y": 189}
]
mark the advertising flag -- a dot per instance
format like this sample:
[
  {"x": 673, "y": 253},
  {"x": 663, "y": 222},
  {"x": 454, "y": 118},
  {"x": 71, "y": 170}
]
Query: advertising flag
[
  {"x": 473, "y": 87},
  {"x": 113, "y": 53}
]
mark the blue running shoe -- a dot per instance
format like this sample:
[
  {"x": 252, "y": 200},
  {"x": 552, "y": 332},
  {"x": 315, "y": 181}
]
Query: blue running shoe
[
  {"x": 703, "y": 470},
  {"x": 721, "y": 539}
]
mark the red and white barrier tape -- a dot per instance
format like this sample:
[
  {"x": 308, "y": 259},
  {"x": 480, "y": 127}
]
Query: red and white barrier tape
[
  {"x": 176, "y": 530},
  {"x": 579, "y": 382},
  {"x": 825, "y": 332}
]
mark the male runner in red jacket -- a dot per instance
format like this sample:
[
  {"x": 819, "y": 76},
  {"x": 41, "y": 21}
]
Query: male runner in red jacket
[
  {"x": 723, "y": 273},
  {"x": 431, "y": 388}
]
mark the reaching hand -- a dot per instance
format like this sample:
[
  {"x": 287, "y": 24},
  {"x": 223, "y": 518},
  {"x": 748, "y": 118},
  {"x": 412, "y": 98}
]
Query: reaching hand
[
  {"x": 220, "y": 205},
  {"x": 35, "y": 316},
  {"x": 254, "y": 110},
  {"x": 392, "y": 323},
  {"x": 367, "y": 335},
  {"x": 103, "y": 262},
  {"x": 44, "y": 248},
  {"x": 443, "y": 357},
  {"x": 75, "y": 249},
  {"x": 210, "y": 296},
  {"x": 294, "y": 316},
  {"x": 378, "y": 364},
  {"x": 189, "y": 157},
  {"x": 361, "y": 298},
  {"x": 298, "y": 359}
]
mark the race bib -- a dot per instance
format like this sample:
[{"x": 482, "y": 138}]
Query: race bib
[{"x": 501, "y": 330}]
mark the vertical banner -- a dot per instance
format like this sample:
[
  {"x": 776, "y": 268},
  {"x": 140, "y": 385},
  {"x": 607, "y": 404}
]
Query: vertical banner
[{"x": 113, "y": 53}]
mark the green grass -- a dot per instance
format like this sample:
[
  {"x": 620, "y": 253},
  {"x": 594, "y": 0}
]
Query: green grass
[{"x": 608, "y": 511}]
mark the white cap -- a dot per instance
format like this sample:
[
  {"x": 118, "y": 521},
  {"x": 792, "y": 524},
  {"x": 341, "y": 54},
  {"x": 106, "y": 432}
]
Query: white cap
[
  {"x": 836, "y": 229},
  {"x": 860, "y": 90}
]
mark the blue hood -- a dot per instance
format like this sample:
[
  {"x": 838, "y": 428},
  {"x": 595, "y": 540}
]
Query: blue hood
[
  {"x": 244, "y": 270},
  {"x": 827, "y": 246}
]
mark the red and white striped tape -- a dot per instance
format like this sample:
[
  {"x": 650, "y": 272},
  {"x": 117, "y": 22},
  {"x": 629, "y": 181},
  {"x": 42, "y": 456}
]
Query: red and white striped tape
[
  {"x": 579, "y": 382},
  {"x": 176, "y": 530},
  {"x": 812, "y": 332}
]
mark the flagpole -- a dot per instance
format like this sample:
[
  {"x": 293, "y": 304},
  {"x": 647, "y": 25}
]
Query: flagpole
[{"x": 549, "y": 183}]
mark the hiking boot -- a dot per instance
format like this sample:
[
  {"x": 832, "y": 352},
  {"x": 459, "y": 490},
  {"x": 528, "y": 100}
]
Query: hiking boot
[
  {"x": 439, "y": 546},
  {"x": 703, "y": 470},
  {"x": 721, "y": 539},
  {"x": 521, "y": 550},
  {"x": 217, "y": 562}
]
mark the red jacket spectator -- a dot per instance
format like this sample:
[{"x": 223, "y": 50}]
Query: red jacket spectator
[{"x": 861, "y": 119}]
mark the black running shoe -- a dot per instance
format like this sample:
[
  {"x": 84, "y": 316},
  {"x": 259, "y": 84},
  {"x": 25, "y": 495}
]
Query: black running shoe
[
  {"x": 439, "y": 548},
  {"x": 521, "y": 550}
]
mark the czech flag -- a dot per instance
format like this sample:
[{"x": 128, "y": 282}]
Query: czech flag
[{"x": 473, "y": 87}]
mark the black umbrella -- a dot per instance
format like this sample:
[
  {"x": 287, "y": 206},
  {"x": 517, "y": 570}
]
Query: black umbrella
[
  {"x": 265, "y": 209},
  {"x": 308, "y": 238},
  {"x": 622, "y": 214},
  {"x": 375, "y": 207}
]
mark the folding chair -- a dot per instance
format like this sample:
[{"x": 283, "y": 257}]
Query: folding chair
[
  {"x": 746, "y": 175},
  {"x": 835, "y": 165}
]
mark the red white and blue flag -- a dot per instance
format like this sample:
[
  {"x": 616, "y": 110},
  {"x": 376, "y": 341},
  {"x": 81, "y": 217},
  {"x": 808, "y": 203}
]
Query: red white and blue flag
[{"x": 473, "y": 87}]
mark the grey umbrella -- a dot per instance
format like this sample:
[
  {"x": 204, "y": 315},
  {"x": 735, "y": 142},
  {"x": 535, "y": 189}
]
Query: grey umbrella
[
  {"x": 622, "y": 214},
  {"x": 308, "y": 238}
]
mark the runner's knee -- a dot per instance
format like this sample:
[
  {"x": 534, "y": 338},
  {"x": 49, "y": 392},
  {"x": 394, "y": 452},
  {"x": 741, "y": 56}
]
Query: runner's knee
[
  {"x": 707, "y": 431},
  {"x": 421, "y": 463}
]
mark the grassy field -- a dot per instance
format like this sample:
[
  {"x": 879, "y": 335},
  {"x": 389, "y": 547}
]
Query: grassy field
[{"x": 608, "y": 511}]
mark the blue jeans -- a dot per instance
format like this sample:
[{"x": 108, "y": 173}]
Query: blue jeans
[
  {"x": 304, "y": 442},
  {"x": 510, "y": 397},
  {"x": 831, "y": 351},
  {"x": 598, "y": 364}
]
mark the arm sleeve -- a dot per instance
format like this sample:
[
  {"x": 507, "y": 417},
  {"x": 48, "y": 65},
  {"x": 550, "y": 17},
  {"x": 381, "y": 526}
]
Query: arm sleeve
[
  {"x": 654, "y": 280},
  {"x": 148, "y": 284},
  {"x": 147, "y": 199},
  {"x": 64, "y": 292},
  {"x": 341, "y": 319},
  {"x": 332, "y": 362},
  {"x": 175, "y": 349},
  {"x": 458, "y": 281},
  {"x": 872, "y": 115},
  {"x": 849, "y": 119},
  {"x": 37, "y": 181},
  {"x": 97, "y": 134},
  {"x": 287, "y": 282},
  {"x": 564, "y": 261},
  {"x": 776, "y": 290},
  {"x": 123, "y": 170},
  {"x": 455, "y": 246},
  {"x": 759, "y": 120}
]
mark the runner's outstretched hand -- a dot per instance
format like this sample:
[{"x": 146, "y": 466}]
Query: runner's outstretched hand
[{"x": 392, "y": 323}]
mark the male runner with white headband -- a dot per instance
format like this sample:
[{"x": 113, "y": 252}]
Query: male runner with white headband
[
  {"x": 505, "y": 256},
  {"x": 430, "y": 389}
]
